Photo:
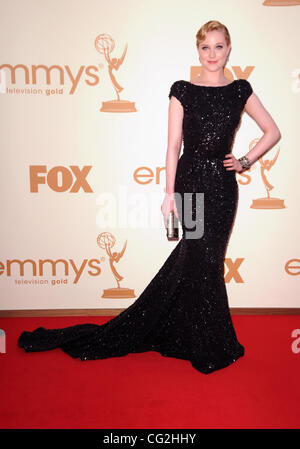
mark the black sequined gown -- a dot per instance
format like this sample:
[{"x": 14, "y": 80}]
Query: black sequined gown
[{"x": 183, "y": 312}]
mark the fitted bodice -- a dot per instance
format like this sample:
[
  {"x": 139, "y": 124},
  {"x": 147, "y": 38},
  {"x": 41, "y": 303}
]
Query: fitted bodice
[{"x": 211, "y": 116}]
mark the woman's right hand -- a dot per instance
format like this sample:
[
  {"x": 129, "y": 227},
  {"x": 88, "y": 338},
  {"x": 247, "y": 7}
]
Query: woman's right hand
[{"x": 167, "y": 206}]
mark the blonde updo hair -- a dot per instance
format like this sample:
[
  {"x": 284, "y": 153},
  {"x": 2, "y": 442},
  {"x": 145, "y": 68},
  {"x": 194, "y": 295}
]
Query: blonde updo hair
[{"x": 210, "y": 26}]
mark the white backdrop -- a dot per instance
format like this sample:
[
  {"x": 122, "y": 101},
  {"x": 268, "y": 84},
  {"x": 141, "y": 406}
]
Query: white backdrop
[{"x": 67, "y": 166}]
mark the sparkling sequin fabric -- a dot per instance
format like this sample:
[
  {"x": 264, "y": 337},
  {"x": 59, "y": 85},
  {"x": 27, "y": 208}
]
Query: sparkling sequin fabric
[{"x": 183, "y": 312}]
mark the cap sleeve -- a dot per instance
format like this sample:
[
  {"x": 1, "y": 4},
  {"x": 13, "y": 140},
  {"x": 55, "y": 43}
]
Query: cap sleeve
[
  {"x": 247, "y": 90},
  {"x": 178, "y": 90}
]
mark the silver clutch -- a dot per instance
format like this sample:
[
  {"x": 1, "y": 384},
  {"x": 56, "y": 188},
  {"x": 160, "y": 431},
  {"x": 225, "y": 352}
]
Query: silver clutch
[{"x": 172, "y": 227}]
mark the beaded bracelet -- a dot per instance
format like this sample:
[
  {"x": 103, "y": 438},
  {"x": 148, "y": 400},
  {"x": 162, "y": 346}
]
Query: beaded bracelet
[{"x": 245, "y": 162}]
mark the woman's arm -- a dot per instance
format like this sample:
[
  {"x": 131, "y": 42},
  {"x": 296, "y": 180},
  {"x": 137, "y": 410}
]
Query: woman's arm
[
  {"x": 266, "y": 123},
  {"x": 175, "y": 117}
]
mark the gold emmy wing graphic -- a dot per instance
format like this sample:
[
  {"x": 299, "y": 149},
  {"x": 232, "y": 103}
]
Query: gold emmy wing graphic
[
  {"x": 105, "y": 44},
  {"x": 106, "y": 241},
  {"x": 281, "y": 2},
  {"x": 267, "y": 202}
]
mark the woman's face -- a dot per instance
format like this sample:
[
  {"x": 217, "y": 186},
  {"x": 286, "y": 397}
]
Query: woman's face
[{"x": 213, "y": 50}]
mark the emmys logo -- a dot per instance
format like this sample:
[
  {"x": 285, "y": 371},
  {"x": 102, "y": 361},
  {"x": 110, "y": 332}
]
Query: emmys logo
[
  {"x": 60, "y": 179},
  {"x": 105, "y": 44},
  {"x": 145, "y": 175},
  {"x": 39, "y": 267},
  {"x": 281, "y": 2},
  {"x": 296, "y": 81},
  {"x": 106, "y": 241},
  {"x": 2, "y": 342},
  {"x": 296, "y": 343},
  {"x": 30, "y": 77}
]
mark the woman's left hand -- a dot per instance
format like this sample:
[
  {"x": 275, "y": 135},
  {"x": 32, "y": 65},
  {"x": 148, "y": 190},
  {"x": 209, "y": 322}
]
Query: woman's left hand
[{"x": 231, "y": 163}]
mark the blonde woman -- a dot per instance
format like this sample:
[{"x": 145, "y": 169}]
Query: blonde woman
[{"x": 183, "y": 312}]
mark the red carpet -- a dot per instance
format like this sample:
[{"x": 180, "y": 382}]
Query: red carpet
[{"x": 52, "y": 390}]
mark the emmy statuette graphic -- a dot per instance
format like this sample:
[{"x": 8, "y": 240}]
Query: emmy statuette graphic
[
  {"x": 281, "y": 2},
  {"x": 267, "y": 202},
  {"x": 106, "y": 241},
  {"x": 105, "y": 44}
]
